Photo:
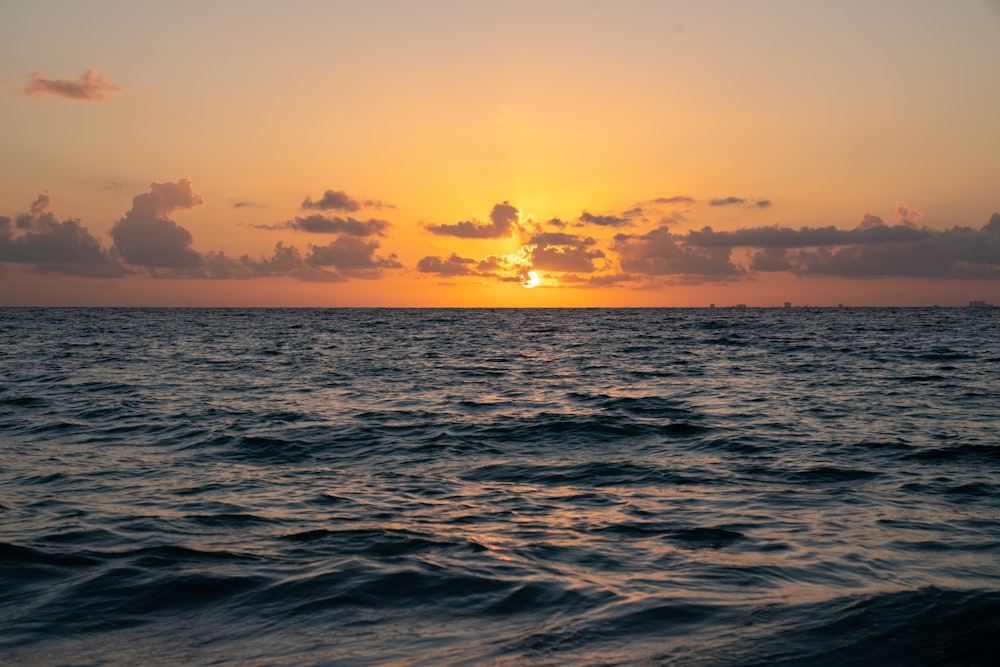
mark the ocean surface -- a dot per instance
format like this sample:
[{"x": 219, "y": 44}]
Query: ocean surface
[{"x": 500, "y": 487}]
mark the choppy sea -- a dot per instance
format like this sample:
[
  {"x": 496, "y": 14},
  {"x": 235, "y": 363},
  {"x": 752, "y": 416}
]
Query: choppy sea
[{"x": 500, "y": 487}]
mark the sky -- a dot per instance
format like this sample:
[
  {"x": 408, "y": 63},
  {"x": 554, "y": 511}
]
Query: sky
[{"x": 548, "y": 153}]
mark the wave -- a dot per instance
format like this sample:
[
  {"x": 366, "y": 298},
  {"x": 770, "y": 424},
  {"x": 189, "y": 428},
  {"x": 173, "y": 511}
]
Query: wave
[{"x": 611, "y": 487}]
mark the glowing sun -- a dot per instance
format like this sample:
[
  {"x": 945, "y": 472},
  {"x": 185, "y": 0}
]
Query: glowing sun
[{"x": 530, "y": 279}]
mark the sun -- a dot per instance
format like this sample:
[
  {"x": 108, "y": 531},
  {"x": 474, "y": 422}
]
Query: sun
[{"x": 530, "y": 279}]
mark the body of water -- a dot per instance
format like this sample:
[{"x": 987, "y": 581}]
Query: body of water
[{"x": 505, "y": 487}]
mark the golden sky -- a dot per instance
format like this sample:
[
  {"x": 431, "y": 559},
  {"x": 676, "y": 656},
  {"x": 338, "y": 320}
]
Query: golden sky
[{"x": 626, "y": 153}]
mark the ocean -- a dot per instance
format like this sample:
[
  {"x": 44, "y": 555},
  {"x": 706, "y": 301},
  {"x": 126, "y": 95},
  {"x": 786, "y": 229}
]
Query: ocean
[{"x": 500, "y": 487}]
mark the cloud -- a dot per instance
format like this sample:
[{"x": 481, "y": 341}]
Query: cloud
[
  {"x": 319, "y": 224},
  {"x": 902, "y": 215},
  {"x": 286, "y": 260},
  {"x": 453, "y": 266},
  {"x": 868, "y": 221},
  {"x": 727, "y": 201},
  {"x": 604, "y": 220},
  {"x": 557, "y": 251},
  {"x": 609, "y": 280},
  {"x": 785, "y": 237},
  {"x": 503, "y": 222},
  {"x": 956, "y": 253},
  {"x": 247, "y": 204},
  {"x": 332, "y": 200},
  {"x": 54, "y": 247},
  {"x": 871, "y": 250},
  {"x": 740, "y": 201},
  {"x": 673, "y": 200},
  {"x": 770, "y": 259},
  {"x": 661, "y": 253},
  {"x": 352, "y": 257},
  {"x": 338, "y": 261},
  {"x": 145, "y": 236},
  {"x": 338, "y": 200},
  {"x": 90, "y": 87}
]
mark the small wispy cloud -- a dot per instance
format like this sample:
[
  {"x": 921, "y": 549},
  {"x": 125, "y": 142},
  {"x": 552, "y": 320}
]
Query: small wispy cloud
[
  {"x": 90, "y": 87},
  {"x": 320, "y": 224},
  {"x": 679, "y": 199},
  {"x": 740, "y": 201},
  {"x": 604, "y": 220}
]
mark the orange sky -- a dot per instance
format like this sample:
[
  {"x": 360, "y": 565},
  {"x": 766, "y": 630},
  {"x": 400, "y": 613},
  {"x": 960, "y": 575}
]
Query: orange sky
[{"x": 432, "y": 154}]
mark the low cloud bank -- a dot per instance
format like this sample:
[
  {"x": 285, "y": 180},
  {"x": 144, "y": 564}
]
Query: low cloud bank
[{"x": 147, "y": 239}]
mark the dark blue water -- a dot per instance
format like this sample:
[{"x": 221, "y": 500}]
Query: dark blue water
[{"x": 465, "y": 487}]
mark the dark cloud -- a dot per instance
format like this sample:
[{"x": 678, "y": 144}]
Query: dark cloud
[
  {"x": 992, "y": 228},
  {"x": 740, "y": 201},
  {"x": 673, "y": 200},
  {"x": 506, "y": 268},
  {"x": 728, "y": 201},
  {"x": 338, "y": 200},
  {"x": 661, "y": 253},
  {"x": 560, "y": 239},
  {"x": 871, "y": 250},
  {"x": 493, "y": 264},
  {"x": 956, "y": 253},
  {"x": 503, "y": 222},
  {"x": 344, "y": 258},
  {"x": 453, "y": 266},
  {"x": 609, "y": 280},
  {"x": 90, "y": 87},
  {"x": 806, "y": 237},
  {"x": 319, "y": 224},
  {"x": 770, "y": 259},
  {"x": 145, "y": 236},
  {"x": 869, "y": 221},
  {"x": 286, "y": 261},
  {"x": 332, "y": 200},
  {"x": 376, "y": 203},
  {"x": 351, "y": 257},
  {"x": 557, "y": 251},
  {"x": 54, "y": 247},
  {"x": 604, "y": 220},
  {"x": 247, "y": 204}
]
